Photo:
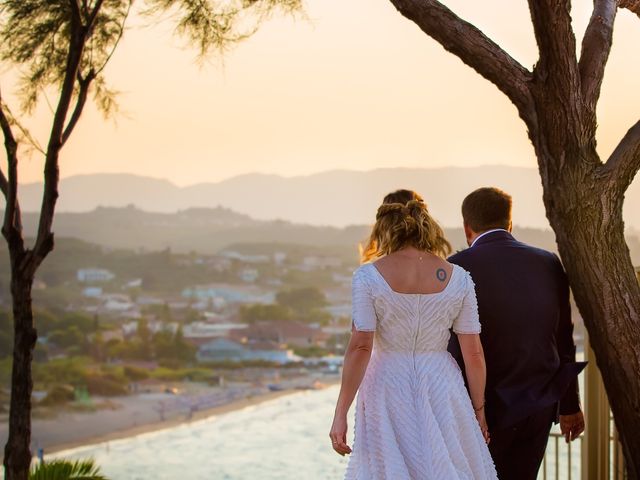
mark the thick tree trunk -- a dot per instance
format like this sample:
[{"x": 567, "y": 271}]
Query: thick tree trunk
[
  {"x": 586, "y": 217},
  {"x": 17, "y": 456}
]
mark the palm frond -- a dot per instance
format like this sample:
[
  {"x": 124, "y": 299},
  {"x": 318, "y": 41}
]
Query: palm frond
[{"x": 67, "y": 470}]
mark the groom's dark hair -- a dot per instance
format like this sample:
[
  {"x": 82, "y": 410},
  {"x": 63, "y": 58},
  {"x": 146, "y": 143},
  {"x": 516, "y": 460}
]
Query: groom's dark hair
[{"x": 487, "y": 208}]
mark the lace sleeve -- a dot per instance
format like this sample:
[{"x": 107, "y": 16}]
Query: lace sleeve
[
  {"x": 363, "y": 312},
  {"x": 468, "y": 321}
]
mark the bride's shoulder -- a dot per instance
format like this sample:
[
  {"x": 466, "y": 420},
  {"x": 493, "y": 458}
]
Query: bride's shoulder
[
  {"x": 364, "y": 277},
  {"x": 364, "y": 270},
  {"x": 464, "y": 276}
]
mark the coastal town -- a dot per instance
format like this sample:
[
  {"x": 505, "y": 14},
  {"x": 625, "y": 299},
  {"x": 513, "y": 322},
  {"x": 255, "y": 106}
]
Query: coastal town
[{"x": 131, "y": 340}]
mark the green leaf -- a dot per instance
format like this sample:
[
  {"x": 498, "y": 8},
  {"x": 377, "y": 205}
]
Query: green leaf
[{"x": 67, "y": 470}]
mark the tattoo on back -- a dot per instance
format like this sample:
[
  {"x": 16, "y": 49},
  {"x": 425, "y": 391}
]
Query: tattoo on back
[{"x": 441, "y": 274}]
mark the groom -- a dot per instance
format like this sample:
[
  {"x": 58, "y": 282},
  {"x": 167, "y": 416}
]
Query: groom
[{"x": 527, "y": 336}]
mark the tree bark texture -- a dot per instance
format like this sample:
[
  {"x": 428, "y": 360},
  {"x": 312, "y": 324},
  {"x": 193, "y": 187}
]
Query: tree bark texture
[
  {"x": 587, "y": 221},
  {"x": 17, "y": 454}
]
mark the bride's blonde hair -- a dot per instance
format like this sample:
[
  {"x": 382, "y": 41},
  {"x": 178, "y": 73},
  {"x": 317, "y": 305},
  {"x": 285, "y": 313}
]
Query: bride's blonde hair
[{"x": 404, "y": 221}]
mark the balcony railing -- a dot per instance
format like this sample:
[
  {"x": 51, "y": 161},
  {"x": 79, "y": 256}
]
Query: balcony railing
[
  {"x": 597, "y": 455},
  {"x": 562, "y": 460}
]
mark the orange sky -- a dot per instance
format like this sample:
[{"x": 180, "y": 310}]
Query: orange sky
[{"x": 355, "y": 86}]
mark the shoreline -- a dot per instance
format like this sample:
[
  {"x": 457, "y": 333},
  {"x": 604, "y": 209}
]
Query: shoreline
[{"x": 156, "y": 426}]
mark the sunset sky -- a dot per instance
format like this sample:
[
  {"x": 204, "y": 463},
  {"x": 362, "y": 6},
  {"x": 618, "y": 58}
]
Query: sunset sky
[{"x": 355, "y": 85}]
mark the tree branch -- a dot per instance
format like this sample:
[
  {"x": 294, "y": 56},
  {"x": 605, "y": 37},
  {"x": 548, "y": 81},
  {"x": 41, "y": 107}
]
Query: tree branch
[
  {"x": 44, "y": 238},
  {"x": 94, "y": 13},
  {"x": 624, "y": 162},
  {"x": 556, "y": 44},
  {"x": 4, "y": 185},
  {"x": 10, "y": 143},
  {"x": 473, "y": 47},
  {"x": 85, "y": 7},
  {"x": 12, "y": 225},
  {"x": 75, "y": 10},
  {"x": 631, "y": 5},
  {"x": 85, "y": 82},
  {"x": 596, "y": 46},
  {"x": 59, "y": 132},
  {"x": 117, "y": 42},
  {"x": 83, "y": 93},
  {"x": 24, "y": 131}
]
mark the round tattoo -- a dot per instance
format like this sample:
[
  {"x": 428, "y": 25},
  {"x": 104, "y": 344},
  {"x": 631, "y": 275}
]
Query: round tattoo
[{"x": 441, "y": 274}]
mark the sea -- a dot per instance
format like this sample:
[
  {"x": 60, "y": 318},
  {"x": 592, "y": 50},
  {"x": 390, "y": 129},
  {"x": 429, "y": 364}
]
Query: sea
[{"x": 282, "y": 439}]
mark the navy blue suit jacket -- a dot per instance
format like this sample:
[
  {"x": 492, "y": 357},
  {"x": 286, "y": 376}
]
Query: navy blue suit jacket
[{"x": 527, "y": 332}]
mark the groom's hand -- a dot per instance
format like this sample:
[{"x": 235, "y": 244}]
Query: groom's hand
[{"x": 572, "y": 426}]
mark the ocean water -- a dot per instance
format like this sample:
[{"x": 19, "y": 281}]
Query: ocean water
[{"x": 282, "y": 439}]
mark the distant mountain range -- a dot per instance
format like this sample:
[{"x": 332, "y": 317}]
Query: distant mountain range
[
  {"x": 210, "y": 230},
  {"x": 336, "y": 198},
  {"x": 198, "y": 229}
]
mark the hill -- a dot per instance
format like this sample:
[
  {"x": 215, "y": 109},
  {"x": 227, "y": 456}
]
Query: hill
[
  {"x": 336, "y": 198},
  {"x": 207, "y": 231}
]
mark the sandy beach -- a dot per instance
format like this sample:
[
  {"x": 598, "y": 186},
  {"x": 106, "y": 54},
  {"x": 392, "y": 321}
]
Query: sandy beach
[{"x": 133, "y": 415}]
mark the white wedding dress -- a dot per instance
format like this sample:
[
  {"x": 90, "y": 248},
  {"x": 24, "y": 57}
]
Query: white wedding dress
[{"x": 414, "y": 419}]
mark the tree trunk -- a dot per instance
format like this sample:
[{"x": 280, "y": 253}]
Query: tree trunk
[
  {"x": 586, "y": 216},
  {"x": 17, "y": 456}
]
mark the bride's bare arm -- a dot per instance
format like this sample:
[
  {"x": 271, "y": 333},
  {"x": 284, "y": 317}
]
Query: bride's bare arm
[
  {"x": 356, "y": 359},
  {"x": 476, "y": 371}
]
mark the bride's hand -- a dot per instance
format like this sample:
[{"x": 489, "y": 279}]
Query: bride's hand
[
  {"x": 482, "y": 421},
  {"x": 338, "y": 434}
]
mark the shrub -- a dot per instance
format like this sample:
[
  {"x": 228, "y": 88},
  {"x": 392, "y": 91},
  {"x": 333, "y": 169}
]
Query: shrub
[
  {"x": 105, "y": 385},
  {"x": 58, "y": 395},
  {"x": 312, "y": 351},
  {"x": 236, "y": 365},
  {"x": 135, "y": 374},
  {"x": 65, "y": 370}
]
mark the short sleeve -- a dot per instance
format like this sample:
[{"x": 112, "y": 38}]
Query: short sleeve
[
  {"x": 362, "y": 309},
  {"x": 468, "y": 321}
]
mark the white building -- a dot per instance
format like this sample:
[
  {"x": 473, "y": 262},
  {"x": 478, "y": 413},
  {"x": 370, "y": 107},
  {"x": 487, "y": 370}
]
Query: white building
[
  {"x": 203, "y": 330},
  {"x": 279, "y": 258},
  {"x": 231, "y": 294},
  {"x": 156, "y": 326},
  {"x": 92, "y": 292},
  {"x": 114, "y": 302},
  {"x": 136, "y": 283},
  {"x": 223, "y": 349},
  {"x": 245, "y": 258},
  {"x": 87, "y": 275},
  {"x": 144, "y": 300},
  {"x": 249, "y": 275},
  {"x": 317, "y": 261}
]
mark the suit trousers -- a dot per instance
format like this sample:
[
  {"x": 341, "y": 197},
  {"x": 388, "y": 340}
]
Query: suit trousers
[{"x": 518, "y": 450}]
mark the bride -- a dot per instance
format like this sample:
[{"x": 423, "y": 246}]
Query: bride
[{"x": 414, "y": 418}]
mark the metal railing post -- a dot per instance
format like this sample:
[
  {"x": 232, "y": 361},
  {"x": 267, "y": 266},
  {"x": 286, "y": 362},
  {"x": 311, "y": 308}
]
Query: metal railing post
[{"x": 595, "y": 456}]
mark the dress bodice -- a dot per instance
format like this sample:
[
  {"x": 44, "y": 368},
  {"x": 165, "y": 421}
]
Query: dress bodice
[{"x": 408, "y": 322}]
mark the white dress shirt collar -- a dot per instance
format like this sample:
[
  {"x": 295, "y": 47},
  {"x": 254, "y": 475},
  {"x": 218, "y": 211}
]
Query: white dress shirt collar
[{"x": 487, "y": 233}]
